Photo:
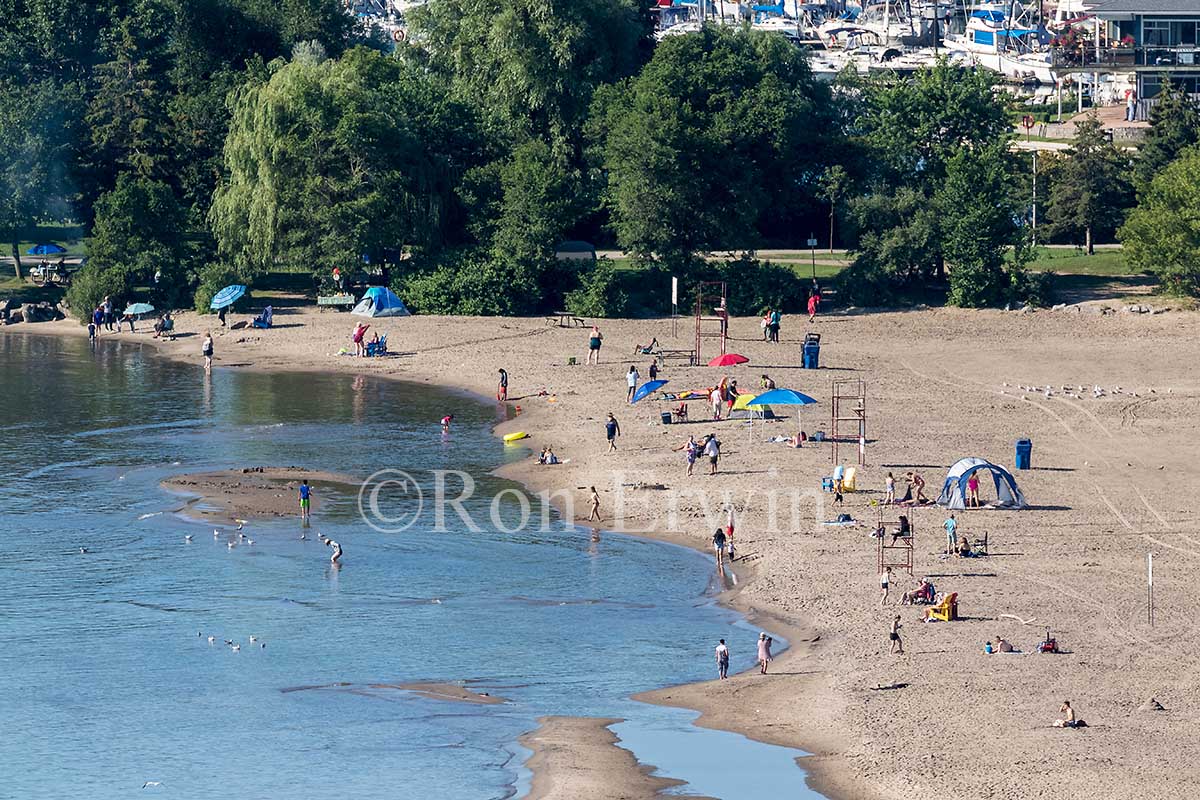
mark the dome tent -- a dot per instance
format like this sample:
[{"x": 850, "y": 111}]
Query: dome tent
[
  {"x": 954, "y": 490},
  {"x": 379, "y": 301}
]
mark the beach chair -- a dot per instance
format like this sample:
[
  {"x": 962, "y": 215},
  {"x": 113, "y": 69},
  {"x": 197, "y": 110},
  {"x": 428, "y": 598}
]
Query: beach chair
[
  {"x": 377, "y": 348},
  {"x": 945, "y": 611},
  {"x": 265, "y": 319},
  {"x": 680, "y": 414},
  {"x": 848, "y": 479}
]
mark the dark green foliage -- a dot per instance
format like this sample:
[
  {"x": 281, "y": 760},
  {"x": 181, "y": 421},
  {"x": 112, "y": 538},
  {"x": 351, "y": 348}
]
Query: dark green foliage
[
  {"x": 471, "y": 283},
  {"x": 601, "y": 292},
  {"x": 1162, "y": 235},
  {"x": 1174, "y": 126},
  {"x": 528, "y": 66},
  {"x": 1090, "y": 188},
  {"x": 717, "y": 144}
]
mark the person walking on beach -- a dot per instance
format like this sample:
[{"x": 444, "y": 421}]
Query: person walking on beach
[
  {"x": 951, "y": 526},
  {"x": 502, "y": 388},
  {"x": 894, "y": 636},
  {"x": 631, "y": 379},
  {"x": 890, "y": 483},
  {"x": 305, "y": 497},
  {"x": 812, "y": 306},
  {"x": 766, "y": 324},
  {"x": 764, "y": 652},
  {"x": 691, "y": 450},
  {"x": 722, "y": 661},
  {"x": 884, "y": 581},
  {"x": 613, "y": 430},
  {"x": 595, "y": 339},
  {"x": 712, "y": 449},
  {"x": 206, "y": 349},
  {"x": 594, "y": 515},
  {"x": 729, "y": 533},
  {"x": 773, "y": 328},
  {"x": 718, "y": 541}
]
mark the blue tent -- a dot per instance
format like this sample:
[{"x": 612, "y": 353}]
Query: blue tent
[
  {"x": 380, "y": 301},
  {"x": 954, "y": 490}
]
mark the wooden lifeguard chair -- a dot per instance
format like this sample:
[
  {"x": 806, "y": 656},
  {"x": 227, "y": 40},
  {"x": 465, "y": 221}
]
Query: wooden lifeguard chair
[
  {"x": 895, "y": 551},
  {"x": 712, "y": 317}
]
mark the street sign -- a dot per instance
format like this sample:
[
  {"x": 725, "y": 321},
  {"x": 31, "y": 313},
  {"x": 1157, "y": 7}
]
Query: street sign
[{"x": 812, "y": 242}]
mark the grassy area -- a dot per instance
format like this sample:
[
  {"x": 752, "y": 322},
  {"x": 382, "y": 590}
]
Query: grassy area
[
  {"x": 1076, "y": 262},
  {"x": 25, "y": 292}
]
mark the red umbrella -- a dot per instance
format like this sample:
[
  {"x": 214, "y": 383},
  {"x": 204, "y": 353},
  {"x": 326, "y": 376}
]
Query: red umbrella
[{"x": 728, "y": 360}]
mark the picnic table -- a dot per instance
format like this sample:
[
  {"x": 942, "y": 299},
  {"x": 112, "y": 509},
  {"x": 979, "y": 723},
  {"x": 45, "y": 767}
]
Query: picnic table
[
  {"x": 565, "y": 319},
  {"x": 688, "y": 356},
  {"x": 336, "y": 301}
]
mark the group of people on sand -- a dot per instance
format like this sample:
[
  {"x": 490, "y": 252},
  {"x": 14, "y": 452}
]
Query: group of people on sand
[
  {"x": 709, "y": 447},
  {"x": 765, "y": 643},
  {"x": 359, "y": 338},
  {"x": 724, "y": 394}
]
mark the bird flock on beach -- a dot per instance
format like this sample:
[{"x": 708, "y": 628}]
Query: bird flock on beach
[{"x": 1076, "y": 392}]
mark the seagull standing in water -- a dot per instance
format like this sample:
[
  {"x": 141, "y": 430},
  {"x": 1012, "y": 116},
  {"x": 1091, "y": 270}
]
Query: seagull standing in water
[{"x": 187, "y": 538}]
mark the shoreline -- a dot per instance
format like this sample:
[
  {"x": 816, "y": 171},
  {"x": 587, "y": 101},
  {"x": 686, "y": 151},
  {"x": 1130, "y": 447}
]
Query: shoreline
[
  {"x": 692, "y": 696},
  {"x": 943, "y": 384}
]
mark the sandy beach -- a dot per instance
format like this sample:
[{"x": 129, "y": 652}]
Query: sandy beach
[{"x": 1108, "y": 484}]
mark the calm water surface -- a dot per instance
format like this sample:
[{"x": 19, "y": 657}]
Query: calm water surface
[{"x": 104, "y": 683}]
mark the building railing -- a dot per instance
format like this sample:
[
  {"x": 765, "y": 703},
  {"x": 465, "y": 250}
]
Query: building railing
[{"x": 1127, "y": 57}]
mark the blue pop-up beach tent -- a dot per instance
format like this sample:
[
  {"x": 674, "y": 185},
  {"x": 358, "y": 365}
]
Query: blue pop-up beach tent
[
  {"x": 380, "y": 301},
  {"x": 954, "y": 490}
]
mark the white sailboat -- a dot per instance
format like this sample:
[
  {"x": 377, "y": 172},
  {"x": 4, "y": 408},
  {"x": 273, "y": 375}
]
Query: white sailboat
[{"x": 1001, "y": 38}]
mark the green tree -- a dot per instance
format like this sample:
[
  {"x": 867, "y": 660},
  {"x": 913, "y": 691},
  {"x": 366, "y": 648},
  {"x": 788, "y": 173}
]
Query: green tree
[
  {"x": 1162, "y": 235},
  {"x": 529, "y": 66},
  {"x": 1091, "y": 190},
  {"x": 979, "y": 215},
  {"x": 913, "y": 127},
  {"x": 1174, "y": 126},
  {"x": 36, "y": 139},
  {"x": 329, "y": 160},
  {"x": 719, "y": 141},
  {"x": 834, "y": 183}
]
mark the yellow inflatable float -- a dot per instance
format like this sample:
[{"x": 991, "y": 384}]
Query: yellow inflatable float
[{"x": 509, "y": 438}]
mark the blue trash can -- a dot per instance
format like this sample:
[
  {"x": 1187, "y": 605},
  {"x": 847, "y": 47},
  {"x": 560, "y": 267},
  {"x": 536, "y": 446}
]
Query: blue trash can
[
  {"x": 812, "y": 355},
  {"x": 1024, "y": 453}
]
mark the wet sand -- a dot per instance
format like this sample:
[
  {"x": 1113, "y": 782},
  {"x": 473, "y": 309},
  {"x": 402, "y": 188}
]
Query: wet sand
[
  {"x": 1110, "y": 482},
  {"x": 577, "y": 758},
  {"x": 445, "y": 691},
  {"x": 254, "y": 492}
]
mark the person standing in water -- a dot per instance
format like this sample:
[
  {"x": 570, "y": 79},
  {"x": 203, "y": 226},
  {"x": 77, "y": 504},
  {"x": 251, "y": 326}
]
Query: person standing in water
[
  {"x": 206, "y": 349},
  {"x": 764, "y": 652},
  {"x": 305, "y": 497},
  {"x": 722, "y": 661},
  {"x": 336, "y": 558},
  {"x": 718, "y": 541},
  {"x": 446, "y": 420}
]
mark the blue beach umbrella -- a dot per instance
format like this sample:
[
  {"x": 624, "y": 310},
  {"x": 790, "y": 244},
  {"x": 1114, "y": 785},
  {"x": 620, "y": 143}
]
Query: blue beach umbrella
[
  {"x": 227, "y": 296},
  {"x": 137, "y": 309},
  {"x": 46, "y": 250},
  {"x": 782, "y": 397},
  {"x": 648, "y": 388}
]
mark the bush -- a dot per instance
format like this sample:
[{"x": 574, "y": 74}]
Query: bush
[
  {"x": 600, "y": 293},
  {"x": 91, "y": 285},
  {"x": 1034, "y": 288},
  {"x": 867, "y": 283},
  {"x": 472, "y": 284},
  {"x": 754, "y": 285},
  {"x": 214, "y": 278}
]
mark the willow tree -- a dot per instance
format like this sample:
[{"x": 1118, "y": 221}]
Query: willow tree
[{"x": 332, "y": 160}]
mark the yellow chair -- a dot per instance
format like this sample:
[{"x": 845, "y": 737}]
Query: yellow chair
[
  {"x": 945, "y": 611},
  {"x": 849, "y": 479}
]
